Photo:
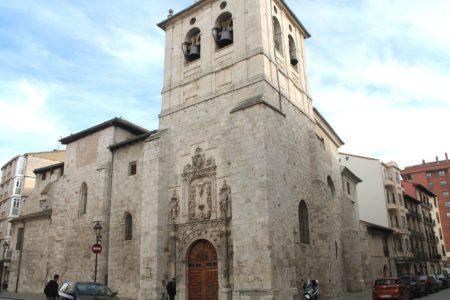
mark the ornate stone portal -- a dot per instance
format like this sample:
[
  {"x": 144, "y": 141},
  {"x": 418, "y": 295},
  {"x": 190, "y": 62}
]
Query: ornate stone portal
[
  {"x": 202, "y": 212},
  {"x": 199, "y": 186}
]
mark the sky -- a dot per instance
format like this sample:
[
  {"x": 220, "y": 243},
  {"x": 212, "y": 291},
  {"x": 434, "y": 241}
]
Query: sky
[{"x": 379, "y": 71}]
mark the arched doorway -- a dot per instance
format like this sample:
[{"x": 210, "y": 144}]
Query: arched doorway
[{"x": 203, "y": 281}]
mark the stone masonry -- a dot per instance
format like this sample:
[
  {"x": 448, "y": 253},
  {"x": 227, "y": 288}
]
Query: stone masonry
[{"x": 239, "y": 147}]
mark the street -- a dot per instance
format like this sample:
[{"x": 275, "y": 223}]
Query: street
[{"x": 442, "y": 295}]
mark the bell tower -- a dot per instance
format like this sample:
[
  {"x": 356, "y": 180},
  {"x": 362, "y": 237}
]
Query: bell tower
[
  {"x": 235, "y": 125},
  {"x": 221, "y": 48}
]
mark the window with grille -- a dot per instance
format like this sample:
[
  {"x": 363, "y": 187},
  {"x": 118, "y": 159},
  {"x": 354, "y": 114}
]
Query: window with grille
[{"x": 132, "y": 169}]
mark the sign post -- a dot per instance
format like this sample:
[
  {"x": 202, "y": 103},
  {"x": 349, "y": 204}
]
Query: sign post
[{"x": 96, "y": 249}]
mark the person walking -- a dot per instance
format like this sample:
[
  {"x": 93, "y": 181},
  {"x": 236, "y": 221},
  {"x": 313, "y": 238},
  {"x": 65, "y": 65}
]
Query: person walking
[
  {"x": 52, "y": 287},
  {"x": 171, "y": 288}
]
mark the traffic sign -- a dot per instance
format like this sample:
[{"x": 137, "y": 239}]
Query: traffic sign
[{"x": 96, "y": 248}]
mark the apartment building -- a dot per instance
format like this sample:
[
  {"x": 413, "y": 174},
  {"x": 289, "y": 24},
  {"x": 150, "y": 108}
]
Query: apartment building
[
  {"x": 382, "y": 214},
  {"x": 17, "y": 182},
  {"x": 422, "y": 224},
  {"x": 435, "y": 176}
]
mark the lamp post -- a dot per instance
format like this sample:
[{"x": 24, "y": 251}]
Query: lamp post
[
  {"x": 97, "y": 230},
  {"x": 5, "y": 247}
]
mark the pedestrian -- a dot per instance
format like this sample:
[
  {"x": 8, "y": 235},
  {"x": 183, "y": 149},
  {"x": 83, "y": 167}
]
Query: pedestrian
[
  {"x": 171, "y": 288},
  {"x": 52, "y": 287}
]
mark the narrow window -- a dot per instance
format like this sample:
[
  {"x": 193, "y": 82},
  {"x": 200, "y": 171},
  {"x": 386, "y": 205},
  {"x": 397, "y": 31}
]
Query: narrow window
[
  {"x": 277, "y": 35},
  {"x": 44, "y": 176},
  {"x": 128, "y": 227},
  {"x": 293, "y": 51},
  {"x": 132, "y": 168},
  {"x": 223, "y": 32},
  {"x": 336, "y": 248},
  {"x": 303, "y": 222},
  {"x": 191, "y": 46},
  {"x": 83, "y": 199},
  {"x": 330, "y": 189},
  {"x": 348, "y": 189}
]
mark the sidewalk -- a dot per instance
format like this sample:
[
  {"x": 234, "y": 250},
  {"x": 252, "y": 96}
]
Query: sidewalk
[
  {"x": 21, "y": 296},
  {"x": 366, "y": 295}
]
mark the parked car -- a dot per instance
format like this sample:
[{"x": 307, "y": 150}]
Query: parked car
[
  {"x": 438, "y": 282},
  {"x": 85, "y": 291},
  {"x": 444, "y": 279},
  {"x": 416, "y": 286},
  {"x": 430, "y": 284},
  {"x": 390, "y": 288}
]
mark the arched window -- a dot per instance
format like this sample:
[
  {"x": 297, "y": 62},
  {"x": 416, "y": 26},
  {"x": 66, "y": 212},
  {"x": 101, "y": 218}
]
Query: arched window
[
  {"x": 83, "y": 199},
  {"x": 303, "y": 220},
  {"x": 292, "y": 51},
  {"x": 223, "y": 32},
  {"x": 191, "y": 45},
  {"x": 128, "y": 227},
  {"x": 277, "y": 35},
  {"x": 330, "y": 189}
]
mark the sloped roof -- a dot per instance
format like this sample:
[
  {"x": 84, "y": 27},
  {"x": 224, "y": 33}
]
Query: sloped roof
[
  {"x": 48, "y": 168},
  {"x": 164, "y": 23},
  {"x": 132, "y": 140},
  {"x": 118, "y": 122}
]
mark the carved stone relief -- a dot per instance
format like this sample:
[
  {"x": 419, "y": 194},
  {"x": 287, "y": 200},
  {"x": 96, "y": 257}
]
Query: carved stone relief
[
  {"x": 199, "y": 185},
  {"x": 174, "y": 207},
  {"x": 225, "y": 200}
]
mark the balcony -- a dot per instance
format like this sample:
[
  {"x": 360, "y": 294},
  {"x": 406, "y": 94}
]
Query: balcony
[
  {"x": 391, "y": 206},
  {"x": 8, "y": 255},
  {"x": 388, "y": 181}
]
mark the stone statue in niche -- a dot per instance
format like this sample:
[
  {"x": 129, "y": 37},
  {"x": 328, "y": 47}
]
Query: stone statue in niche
[
  {"x": 192, "y": 195},
  {"x": 174, "y": 206},
  {"x": 225, "y": 202},
  {"x": 208, "y": 200}
]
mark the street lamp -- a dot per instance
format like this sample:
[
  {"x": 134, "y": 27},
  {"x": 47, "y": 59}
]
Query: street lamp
[
  {"x": 97, "y": 248},
  {"x": 97, "y": 229},
  {"x": 5, "y": 247}
]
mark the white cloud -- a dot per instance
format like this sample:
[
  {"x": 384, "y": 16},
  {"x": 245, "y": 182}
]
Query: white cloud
[
  {"x": 379, "y": 71},
  {"x": 23, "y": 107},
  {"x": 133, "y": 48}
]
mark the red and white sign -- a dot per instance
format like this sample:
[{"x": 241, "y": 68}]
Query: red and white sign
[{"x": 96, "y": 248}]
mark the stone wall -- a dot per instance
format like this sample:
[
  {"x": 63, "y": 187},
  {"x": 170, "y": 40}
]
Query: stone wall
[{"x": 124, "y": 255}]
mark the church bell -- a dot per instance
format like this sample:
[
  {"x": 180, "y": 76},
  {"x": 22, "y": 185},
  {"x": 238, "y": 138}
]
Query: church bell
[
  {"x": 194, "y": 53},
  {"x": 294, "y": 59},
  {"x": 226, "y": 38}
]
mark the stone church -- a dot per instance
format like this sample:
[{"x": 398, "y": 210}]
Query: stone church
[{"x": 238, "y": 195}]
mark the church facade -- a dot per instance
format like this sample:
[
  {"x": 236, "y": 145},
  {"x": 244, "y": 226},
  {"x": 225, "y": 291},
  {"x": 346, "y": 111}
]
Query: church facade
[{"x": 239, "y": 194}]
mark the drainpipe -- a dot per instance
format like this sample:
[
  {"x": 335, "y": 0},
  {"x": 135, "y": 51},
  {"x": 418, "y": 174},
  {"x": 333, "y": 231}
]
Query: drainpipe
[
  {"x": 20, "y": 257},
  {"x": 108, "y": 209}
]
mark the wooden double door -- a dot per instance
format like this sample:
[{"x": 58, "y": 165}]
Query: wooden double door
[{"x": 202, "y": 272}]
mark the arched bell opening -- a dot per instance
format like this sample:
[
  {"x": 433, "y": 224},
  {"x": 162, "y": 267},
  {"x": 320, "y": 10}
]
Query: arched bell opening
[
  {"x": 277, "y": 35},
  {"x": 292, "y": 51},
  {"x": 223, "y": 31},
  {"x": 191, "y": 46}
]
